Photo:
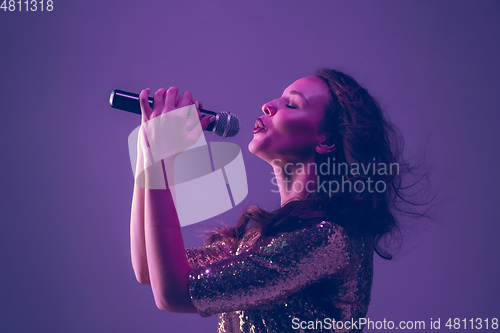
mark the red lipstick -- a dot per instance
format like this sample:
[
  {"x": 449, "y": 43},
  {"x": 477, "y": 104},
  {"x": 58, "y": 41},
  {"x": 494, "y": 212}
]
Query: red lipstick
[{"x": 259, "y": 126}]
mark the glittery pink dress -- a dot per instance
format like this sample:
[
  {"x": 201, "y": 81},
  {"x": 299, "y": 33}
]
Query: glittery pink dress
[{"x": 287, "y": 283}]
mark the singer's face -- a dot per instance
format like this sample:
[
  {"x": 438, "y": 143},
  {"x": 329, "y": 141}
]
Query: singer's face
[{"x": 290, "y": 127}]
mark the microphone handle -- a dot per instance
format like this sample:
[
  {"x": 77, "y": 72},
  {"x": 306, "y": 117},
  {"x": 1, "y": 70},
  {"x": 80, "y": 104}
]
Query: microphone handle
[{"x": 127, "y": 101}]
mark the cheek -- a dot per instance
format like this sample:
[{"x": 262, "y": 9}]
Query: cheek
[{"x": 295, "y": 125}]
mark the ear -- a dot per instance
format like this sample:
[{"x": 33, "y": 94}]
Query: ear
[{"x": 325, "y": 146}]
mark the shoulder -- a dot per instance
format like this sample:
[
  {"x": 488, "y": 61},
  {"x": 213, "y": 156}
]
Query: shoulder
[
  {"x": 326, "y": 230},
  {"x": 332, "y": 228},
  {"x": 329, "y": 237},
  {"x": 319, "y": 236},
  {"x": 208, "y": 254}
]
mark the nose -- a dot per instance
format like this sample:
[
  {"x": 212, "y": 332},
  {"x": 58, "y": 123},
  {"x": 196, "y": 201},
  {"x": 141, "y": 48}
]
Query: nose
[{"x": 269, "y": 109}]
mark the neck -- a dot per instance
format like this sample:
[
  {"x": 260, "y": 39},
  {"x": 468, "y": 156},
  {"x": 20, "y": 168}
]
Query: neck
[{"x": 295, "y": 179}]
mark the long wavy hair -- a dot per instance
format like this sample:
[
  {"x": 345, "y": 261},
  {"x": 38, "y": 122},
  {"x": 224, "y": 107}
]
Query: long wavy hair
[{"x": 363, "y": 136}]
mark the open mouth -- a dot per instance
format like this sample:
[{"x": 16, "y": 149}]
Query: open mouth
[{"x": 259, "y": 126}]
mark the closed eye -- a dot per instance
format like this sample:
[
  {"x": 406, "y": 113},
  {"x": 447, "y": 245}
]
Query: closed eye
[{"x": 291, "y": 106}]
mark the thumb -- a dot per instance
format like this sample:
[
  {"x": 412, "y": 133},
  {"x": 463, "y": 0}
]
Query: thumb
[{"x": 205, "y": 120}]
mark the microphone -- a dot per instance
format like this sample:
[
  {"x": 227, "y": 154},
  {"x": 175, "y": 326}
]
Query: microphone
[{"x": 226, "y": 124}]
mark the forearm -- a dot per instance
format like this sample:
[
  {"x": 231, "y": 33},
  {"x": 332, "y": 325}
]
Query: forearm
[
  {"x": 137, "y": 231},
  {"x": 167, "y": 262},
  {"x": 137, "y": 236}
]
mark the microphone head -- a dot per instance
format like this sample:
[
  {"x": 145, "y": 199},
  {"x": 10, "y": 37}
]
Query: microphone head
[{"x": 226, "y": 125}]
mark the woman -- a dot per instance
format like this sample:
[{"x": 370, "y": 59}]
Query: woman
[{"x": 308, "y": 265}]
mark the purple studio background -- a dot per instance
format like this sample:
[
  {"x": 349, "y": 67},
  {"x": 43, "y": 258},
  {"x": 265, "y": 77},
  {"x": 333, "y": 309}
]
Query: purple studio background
[{"x": 66, "y": 182}]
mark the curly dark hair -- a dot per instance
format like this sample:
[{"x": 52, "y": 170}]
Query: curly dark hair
[{"x": 362, "y": 135}]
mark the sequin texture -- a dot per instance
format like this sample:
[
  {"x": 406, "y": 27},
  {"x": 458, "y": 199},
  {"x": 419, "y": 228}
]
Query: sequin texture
[{"x": 308, "y": 274}]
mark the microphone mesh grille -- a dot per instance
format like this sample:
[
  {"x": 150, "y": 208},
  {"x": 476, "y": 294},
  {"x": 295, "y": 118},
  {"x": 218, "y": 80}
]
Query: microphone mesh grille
[{"x": 227, "y": 126}]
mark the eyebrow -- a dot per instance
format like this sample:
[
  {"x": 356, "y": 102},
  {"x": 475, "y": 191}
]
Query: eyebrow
[{"x": 295, "y": 92}]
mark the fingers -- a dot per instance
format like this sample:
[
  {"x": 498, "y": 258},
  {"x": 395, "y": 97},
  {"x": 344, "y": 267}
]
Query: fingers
[
  {"x": 187, "y": 99},
  {"x": 198, "y": 104},
  {"x": 168, "y": 100},
  {"x": 171, "y": 99},
  {"x": 206, "y": 120},
  {"x": 143, "y": 101},
  {"x": 159, "y": 102},
  {"x": 177, "y": 99}
]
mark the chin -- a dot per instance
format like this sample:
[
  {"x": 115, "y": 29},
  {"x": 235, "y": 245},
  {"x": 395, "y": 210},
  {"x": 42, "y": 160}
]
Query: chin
[
  {"x": 252, "y": 147},
  {"x": 257, "y": 151},
  {"x": 255, "y": 148},
  {"x": 263, "y": 149}
]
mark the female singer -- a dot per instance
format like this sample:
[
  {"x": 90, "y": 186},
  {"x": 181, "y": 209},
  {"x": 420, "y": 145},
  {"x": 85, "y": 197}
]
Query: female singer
[{"x": 309, "y": 264}]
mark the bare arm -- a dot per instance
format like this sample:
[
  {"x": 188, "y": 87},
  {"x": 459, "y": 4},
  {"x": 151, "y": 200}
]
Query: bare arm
[
  {"x": 137, "y": 237},
  {"x": 168, "y": 264},
  {"x": 158, "y": 253},
  {"x": 137, "y": 231}
]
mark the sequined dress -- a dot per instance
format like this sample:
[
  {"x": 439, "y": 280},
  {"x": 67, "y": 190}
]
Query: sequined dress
[{"x": 287, "y": 283}]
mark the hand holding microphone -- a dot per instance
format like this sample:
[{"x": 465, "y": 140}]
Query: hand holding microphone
[
  {"x": 225, "y": 125},
  {"x": 169, "y": 128},
  {"x": 174, "y": 123},
  {"x": 169, "y": 100}
]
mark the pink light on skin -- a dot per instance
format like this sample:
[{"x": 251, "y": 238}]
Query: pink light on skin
[{"x": 289, "y": 131}]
